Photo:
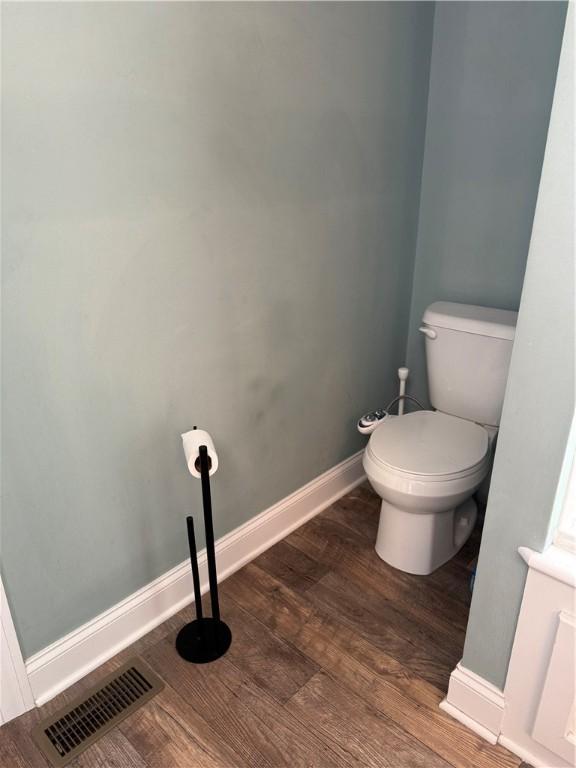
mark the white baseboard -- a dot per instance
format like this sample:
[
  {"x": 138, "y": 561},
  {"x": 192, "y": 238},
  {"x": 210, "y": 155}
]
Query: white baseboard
[
  {"x": 475, "y": 703},
  {"x": 56, "y": 667},
  {"x": 533, "y": 760}
]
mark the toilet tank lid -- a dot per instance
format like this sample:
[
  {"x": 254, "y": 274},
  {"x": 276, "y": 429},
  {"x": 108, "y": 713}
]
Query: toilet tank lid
[{"x": 469, "y": 318}]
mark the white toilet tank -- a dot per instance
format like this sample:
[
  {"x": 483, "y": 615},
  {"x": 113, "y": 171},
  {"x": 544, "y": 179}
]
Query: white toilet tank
[{"x": 468, "y": 352}]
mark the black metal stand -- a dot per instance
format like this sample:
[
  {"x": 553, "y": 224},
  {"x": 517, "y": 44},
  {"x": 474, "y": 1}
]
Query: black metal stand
[{"x": 206, "y": 638}]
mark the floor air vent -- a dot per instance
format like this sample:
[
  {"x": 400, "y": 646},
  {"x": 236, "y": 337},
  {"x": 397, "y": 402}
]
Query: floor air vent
[{"x": 73, "y": 728}]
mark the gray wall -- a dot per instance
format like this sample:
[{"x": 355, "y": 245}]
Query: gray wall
[
  {"x": 209, "y": 218},
  {"x": 539, "y": 400},
  {"x": 492, "y": 78}
]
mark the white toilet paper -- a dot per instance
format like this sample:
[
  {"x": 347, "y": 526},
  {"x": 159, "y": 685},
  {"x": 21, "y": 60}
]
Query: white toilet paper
[{"x": 191, "y": 442}]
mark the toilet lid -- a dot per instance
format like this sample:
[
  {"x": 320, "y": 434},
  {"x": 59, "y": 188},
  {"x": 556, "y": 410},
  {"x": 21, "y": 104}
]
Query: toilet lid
[{"x": 429, "y": 443}]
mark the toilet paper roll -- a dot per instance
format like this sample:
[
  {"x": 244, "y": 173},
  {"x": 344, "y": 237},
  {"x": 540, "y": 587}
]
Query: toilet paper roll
[{"x": 191, "y": 442}]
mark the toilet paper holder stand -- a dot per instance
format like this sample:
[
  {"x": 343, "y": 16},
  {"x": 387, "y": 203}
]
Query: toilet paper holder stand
[{"x": 207, "y": 638}]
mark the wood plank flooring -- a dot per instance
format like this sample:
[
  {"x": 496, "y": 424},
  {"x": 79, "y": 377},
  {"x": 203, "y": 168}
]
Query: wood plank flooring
[{"x": 336, "y": 660}]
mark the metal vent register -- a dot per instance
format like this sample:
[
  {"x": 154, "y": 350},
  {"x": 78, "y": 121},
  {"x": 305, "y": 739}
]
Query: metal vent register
[{"x": 73, "y": 728}]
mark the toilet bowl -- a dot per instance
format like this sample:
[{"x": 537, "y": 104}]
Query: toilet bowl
[{"x": 425, "y": 466}]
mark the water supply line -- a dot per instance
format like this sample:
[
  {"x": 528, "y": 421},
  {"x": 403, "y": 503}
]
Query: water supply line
[
  {"x": 402, "y": 396},
  {"x": 402, "y": 375},
  {"x": 370, "y": 421},
  {"x": 405, "y": 397}
]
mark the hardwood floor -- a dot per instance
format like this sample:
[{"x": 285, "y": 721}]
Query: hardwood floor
[{"x": 336, "y": 660}]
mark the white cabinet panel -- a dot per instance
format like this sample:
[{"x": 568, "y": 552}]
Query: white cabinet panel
[{"x": 554, "y": 725}]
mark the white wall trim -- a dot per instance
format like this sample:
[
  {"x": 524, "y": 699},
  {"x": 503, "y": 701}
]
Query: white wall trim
[
  {"x": 56, "y": 667},
  {"x": 475, "y": 703},
  {"x": 15, "y": 692},
  {"x": 555, "y": 562}
]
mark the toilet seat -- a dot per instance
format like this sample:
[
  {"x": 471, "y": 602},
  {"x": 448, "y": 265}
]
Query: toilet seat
[{"x": 429, "y": 446}]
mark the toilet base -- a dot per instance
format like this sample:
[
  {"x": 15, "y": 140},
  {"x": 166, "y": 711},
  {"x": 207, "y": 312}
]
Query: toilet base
[{"x": 420, "y": 542}]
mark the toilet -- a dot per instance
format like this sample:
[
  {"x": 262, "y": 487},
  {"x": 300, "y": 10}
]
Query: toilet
[{"x": 426, "y": 465}]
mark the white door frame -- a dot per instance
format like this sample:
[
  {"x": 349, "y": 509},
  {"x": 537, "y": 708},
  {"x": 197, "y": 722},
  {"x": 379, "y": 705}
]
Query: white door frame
[{"x": 15, "y": 692}]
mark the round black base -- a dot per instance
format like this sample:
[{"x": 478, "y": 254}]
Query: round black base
[{"x": 203, "y": 640}]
